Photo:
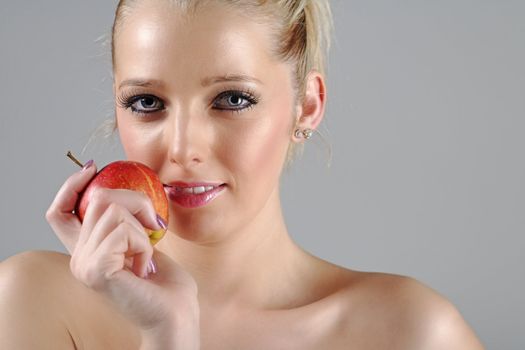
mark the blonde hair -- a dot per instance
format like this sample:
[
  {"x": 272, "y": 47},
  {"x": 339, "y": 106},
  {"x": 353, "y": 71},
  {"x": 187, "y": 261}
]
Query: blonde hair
[{"x": 302, "y": 31}]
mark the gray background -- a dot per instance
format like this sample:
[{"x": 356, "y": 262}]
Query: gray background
[{"x": 425, "y": 117}]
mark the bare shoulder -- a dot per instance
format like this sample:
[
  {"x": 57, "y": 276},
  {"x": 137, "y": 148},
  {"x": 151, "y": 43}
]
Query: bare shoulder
[
  {"x": 34, "y": 260},
  {"x": 33, "y": 272},
  {"x": 40, "y": 279},
  {"x": 45, "y": 307},
  {"x": 399, "y": 312},
  {"x": 32, "y": 313}
]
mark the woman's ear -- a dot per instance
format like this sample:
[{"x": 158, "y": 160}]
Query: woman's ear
[{"x": 312, "y": 107}]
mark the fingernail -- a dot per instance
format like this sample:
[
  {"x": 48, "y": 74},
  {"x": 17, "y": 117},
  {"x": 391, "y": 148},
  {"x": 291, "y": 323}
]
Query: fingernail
[
  {"x": 152, "y": 267},
  {"x": 161, "y": 222},
  {"x": 88, "y": 164}
]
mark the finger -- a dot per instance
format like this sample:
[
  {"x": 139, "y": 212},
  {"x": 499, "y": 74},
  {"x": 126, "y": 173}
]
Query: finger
[
  {"x": 67, "y": 195},
  {"x": 137, "y": 203},
  {"x": 60, "y": 214},
  {"x": 124, "y": 240},
  {"x": 114, "y": 216},
  {"x": 134, "y": 203},
  {"x": 96, "y": 268}
]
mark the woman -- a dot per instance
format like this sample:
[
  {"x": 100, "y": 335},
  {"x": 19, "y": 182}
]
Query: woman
[{"x": 214, "y": 96}]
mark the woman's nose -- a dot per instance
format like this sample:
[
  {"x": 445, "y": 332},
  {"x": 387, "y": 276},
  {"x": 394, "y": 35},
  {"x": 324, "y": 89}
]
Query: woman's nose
[{"x": 187, "y": 141}]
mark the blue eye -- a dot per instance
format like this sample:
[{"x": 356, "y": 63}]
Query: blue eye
[
  {"x": 231, "y": 100},
  {"x": 234, "y": 100},
  {"x": 141, "y": 104}
]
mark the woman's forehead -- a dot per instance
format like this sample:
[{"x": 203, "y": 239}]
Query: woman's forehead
[{"x": 158, "y": 38}]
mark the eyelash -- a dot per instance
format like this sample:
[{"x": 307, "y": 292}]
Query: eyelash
[
  {"x": 246, "y": 94},
  {"x": 127, "y": 100}
]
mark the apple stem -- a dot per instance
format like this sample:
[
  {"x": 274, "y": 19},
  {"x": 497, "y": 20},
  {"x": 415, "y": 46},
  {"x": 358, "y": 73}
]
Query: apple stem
[{"x": 72, "y": 157}]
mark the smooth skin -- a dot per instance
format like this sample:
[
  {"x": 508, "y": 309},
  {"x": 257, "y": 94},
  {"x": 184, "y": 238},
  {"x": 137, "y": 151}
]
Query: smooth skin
[{"x": 229, "y": 275}]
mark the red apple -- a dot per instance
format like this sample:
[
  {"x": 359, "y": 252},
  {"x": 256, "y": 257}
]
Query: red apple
[{"x": 129, "y": 175}]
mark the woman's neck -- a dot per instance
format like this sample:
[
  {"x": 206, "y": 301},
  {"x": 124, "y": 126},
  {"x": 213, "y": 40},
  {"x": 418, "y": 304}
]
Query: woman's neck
[{"x": 255, "y": 267}]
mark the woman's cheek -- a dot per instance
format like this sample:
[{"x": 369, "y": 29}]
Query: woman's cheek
[
  {"x": 136, "y": 141},
  {"x": 260, "y": 149}
]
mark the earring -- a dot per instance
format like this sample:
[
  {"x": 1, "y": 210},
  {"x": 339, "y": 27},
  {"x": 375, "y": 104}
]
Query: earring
[{"x": 306, "y": 133}]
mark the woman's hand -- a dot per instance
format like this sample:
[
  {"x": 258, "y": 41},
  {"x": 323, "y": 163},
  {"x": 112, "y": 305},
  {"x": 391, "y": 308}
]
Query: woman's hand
[{"x": 110, "y": 253}]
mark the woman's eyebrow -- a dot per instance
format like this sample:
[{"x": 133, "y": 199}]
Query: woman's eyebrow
[
  {"x": 142, "y": 83},
  {"x": 204, "y": 82},
  {"x": 229, "y": 77}
]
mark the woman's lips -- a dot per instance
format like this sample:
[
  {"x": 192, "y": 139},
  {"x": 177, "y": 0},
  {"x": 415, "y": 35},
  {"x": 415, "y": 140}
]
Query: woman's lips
[{"x": 193, "y": 195}]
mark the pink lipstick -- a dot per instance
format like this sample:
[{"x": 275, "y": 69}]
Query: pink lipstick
[{"x": 193, "y": 195}]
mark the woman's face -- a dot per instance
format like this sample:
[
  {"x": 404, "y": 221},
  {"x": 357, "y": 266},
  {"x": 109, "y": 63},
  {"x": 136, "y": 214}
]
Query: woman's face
[{"x": 202, "y": 101}]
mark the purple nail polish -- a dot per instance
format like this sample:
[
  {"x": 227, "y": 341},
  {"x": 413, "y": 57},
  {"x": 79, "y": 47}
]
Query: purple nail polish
[
  {"x": 152, "y": 267},
  {"x": 161, "y": 222},
  {"x": 88, "y": 164}
]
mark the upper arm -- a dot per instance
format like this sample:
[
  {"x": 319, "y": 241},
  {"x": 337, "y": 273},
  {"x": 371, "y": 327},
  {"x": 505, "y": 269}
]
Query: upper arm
[{"x": 31, "y": 316}]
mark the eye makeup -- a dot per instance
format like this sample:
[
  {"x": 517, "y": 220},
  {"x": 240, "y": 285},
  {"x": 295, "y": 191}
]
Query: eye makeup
[
  {"x": 130, "y": 99},
  {"x": 229, "y": 100},
  {"x": 235, "y": 100}
]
